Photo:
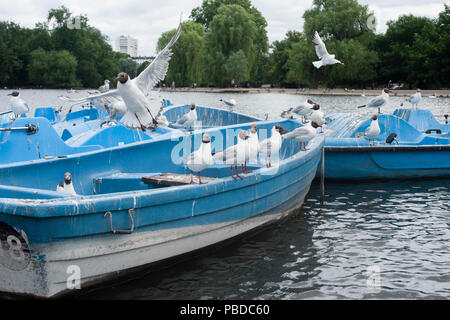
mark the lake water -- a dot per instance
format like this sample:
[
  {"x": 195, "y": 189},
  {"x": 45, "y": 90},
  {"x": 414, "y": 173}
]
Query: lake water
[{"x": 378, "y": 240}]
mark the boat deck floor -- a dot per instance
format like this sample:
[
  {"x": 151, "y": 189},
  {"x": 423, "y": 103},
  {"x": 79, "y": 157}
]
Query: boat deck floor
[{"x": 172, "y": 179}]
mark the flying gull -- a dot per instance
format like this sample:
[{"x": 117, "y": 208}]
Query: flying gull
[{"x": 322, "y": 53}]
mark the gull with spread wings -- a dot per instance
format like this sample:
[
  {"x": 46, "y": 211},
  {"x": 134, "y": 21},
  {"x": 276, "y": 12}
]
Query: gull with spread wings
[
  {"x": 322, "y": 53},
  {"x": 133, "y": 91}
]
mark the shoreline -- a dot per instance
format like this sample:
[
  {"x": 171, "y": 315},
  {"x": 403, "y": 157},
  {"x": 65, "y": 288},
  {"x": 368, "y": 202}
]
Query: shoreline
[{"x": 305, "y": 91}]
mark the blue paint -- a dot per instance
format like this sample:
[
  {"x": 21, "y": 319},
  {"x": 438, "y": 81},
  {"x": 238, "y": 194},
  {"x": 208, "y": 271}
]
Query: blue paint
[{"x": 414, "y": 154}]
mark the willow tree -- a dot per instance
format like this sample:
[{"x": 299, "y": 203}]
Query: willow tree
[
  {"x": 231, "y": 30},
  {"x": 187, "y": 65}
]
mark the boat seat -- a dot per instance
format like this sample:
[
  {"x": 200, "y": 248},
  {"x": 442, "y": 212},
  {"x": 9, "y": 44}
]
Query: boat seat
[
  {"x": 12, "y": 192},
  {"x": 122, "y": 182}
]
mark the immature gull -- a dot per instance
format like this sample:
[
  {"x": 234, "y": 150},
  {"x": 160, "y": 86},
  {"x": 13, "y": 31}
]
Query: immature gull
[
  {"x": 66, "y": 185},
  {"x": 235, "y": 155},
  {"x": 201, "y": 159},
  {"x": 303, "y": 134},
  {"x": 379, "y": 101},
  {"x": 272, "y": 145},
  {"x": 105, "y": 87},
  {"x": 415, "y": 98},
  {"x": 373, "y": 130},
  {"x": 189, "y": 119},
  {"x": 134, "y": 91},
  {"x": 17, "y": 105},
  {"x": 322, "y": 53}
]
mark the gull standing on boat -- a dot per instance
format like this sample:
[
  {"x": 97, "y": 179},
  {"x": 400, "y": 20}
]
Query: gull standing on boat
[
  {"x": 303, "y": 134},
  {"x": 134, "y": 91},
  {"x": 189, "y": 119},
  {"x": 66, "y": 185},
  {"x": 287, "y": 114},
  {"x": 322, "y": 53},
  {"x": 104, "y": 88},
  {"x": 116, "y": 110},
  {"x": 373, "y": 130},
  {"x": 253, "y": 147},
  {"x": 379, "y": 101},
  {"x": 416, "y": 98},
  {"x": 200, "y": 159},
  {"x": 318, "y": 116},
  {"x": 17, "y": 105},
  {"x": 304, "y": 109},
  {"x": 235, "y": 155},
  {"x": 162, "y": 120},
  {"x": 272, "y": 145}
]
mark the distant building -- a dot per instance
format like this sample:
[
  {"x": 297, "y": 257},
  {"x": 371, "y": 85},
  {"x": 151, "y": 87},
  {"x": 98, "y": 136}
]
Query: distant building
[{"x": 127, "y": 45}]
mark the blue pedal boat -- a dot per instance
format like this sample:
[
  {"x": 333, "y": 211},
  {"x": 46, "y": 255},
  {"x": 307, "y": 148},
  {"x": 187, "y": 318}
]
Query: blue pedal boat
[
  {"x": 424, "y": 121},
  {"x": 401, "y": 151},
  {"x": 122, "y": 219},
  {"x": 37, "y": 138}
]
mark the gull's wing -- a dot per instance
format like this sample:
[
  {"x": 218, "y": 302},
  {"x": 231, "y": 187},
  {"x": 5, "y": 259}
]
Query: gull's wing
[
  {"x": 302, "y": 110},
  {"x": 112, "y": 93},
  {"x": 229, "y": 153},
  {"x": 265, "y": 147},
  {"x": 377, "y": 101},
  {"x": 302, "y": 131},
  {"x": 321, "y": 49},
  {"x": 157, "y": 70}
]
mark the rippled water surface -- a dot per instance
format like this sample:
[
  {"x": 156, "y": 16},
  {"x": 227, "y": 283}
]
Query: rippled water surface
[{"x": 371, "y": 240}]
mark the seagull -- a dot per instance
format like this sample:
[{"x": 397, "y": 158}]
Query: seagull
[
  {"x": 66, "y": 185},
  {"x": 104, "y": 88},
  {"x": 379, "y": 101},
  {"x": 189, "y": 119},
  {"x": 253, "y": 147},
  {"x": 303, "y": 134},
  {"x": 304, "y": 109},
  {"x": 229, "y": 103},
  {"x": 134, "y": 91},
  {"x": 272, "y": 145},
  {"x": 17, "y": 105},
  {"x": 287, "y": 114},
  {"x": 235, "y": 155},
  {"x": 318, "y": 116},
  {"x": 201, "y": 159},
  {"x": 162, "y": 119},
  {"x": 322, "y": 53},
  {"x": 415, "y": 98},
  {"x": 373, "y": 130}
]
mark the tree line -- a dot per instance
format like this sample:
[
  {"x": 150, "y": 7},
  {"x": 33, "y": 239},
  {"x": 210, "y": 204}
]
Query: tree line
[{"x": 227, "y": 40}]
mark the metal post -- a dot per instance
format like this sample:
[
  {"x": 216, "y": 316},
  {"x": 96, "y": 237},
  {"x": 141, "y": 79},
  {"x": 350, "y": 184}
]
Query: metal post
[{"x": 322, "y": 179}]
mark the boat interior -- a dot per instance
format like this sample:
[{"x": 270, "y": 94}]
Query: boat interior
[
  {"x": 122, "y": 168},
  {"x": 349, "y": 129}
]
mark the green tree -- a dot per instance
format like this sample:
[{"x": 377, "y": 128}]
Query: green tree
[
  {"x": 187, "y": 65},
  {"x": 52, "y": 68},
  {"x": 236, "y": 67}
]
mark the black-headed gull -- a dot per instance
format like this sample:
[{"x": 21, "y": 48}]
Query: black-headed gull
[
  {"x": 303, "y": 134},
  {"x": 201, "y": 159},
  {"x": 17, "y": 105},
  {"x": 318, "y": 116},
  {"x": 66, "y": 185},
  {"x": 322, "y": 53},
  {"x": 229, "y": 103},
  {"x": 304, "y": 109},
  {"x": 253, "y": 147},
  {"x": 236, "y": 155},
  {"x": 190, "y": 118},
  {"x": 415, "y": 98},
  {"x": 272, "y": 145},
  {"x": 379, "y": 101},
  {"x": 373, "y": 130},
  {"x": 104, "y": 88},
  {"x": 134, "y": 91}
]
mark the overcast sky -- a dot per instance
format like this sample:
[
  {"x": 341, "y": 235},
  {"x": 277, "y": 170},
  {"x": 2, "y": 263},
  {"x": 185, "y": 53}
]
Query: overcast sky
[{"x": 147, "y": 19}]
